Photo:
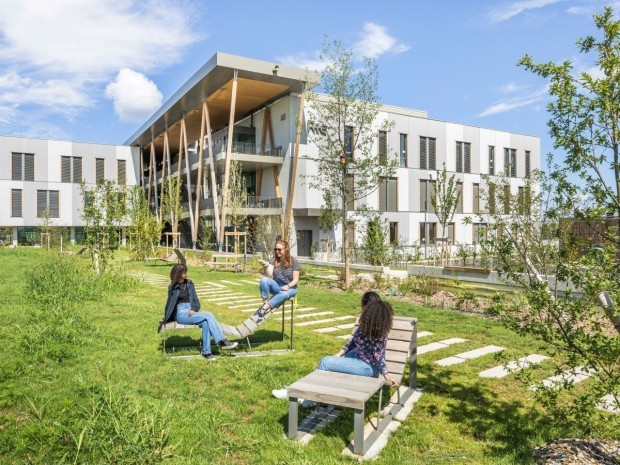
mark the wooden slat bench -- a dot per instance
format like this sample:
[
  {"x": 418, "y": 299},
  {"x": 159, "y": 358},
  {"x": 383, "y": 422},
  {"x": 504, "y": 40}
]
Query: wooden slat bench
[{"x": 353, "y": 391}]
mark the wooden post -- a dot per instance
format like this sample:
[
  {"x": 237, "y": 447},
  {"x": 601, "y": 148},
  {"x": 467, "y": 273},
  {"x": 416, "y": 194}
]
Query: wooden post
[
  {"x": 231, "y": 123},
  {"x": 216, "y": 208},
  {"x": 148, "y": 197},
  {"x": 199, "y": 180},
  {"x": 188, "y": 177},
  {"x": 163, "y": 173},
  {"x": 291, "y": 189},
  {"x": 154, "y": 169}
]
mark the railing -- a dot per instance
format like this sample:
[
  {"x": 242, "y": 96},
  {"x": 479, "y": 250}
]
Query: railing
[
  {"x": 251, "y": 202},
  {"x": 248, "y": 148}
]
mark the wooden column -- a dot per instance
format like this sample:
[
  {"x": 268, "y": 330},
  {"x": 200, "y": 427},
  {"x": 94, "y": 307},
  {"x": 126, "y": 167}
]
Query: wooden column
[
  {"x": 188, "y": 177},
  {"x": 178, "y": 192},
  {"x": 216, "y": 208},
  {"x": 154, "y": 158},
  {"x": 148, "y": 197},
  {"x": 231, "y": 125},
  {"x": 199, "y": 180},
  {"x": 291, "y": 189},
  {"x": 163, "y": 172}
]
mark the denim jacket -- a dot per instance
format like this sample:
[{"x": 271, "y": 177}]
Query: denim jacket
[{"x": 170, "y": 312}]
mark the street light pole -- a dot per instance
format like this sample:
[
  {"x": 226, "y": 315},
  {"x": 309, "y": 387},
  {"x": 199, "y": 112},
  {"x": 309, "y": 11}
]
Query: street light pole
[{"x": 345, "y": 255}]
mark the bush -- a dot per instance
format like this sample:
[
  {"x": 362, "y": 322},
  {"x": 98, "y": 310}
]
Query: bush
[{"x": 427, "y": 285}]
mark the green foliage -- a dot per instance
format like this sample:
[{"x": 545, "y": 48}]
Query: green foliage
[
  {"x": 171, "y": 209},
  {"x": 407, "y": 285},
  {"x": 444, "y": 203},
  {"x": 374, "y": 246},
  {"x": 207, "y": 237},
  {"x": 466, "y": 300},
  {"x": 144, "y": 230},
  {"x": 427, "y": 285}
]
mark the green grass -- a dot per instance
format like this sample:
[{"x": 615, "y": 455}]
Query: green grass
[{"x": 86, "y": 381}]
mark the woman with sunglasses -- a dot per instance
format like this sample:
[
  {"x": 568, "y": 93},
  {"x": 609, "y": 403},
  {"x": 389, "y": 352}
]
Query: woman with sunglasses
[{"x": 280, "y": 280}]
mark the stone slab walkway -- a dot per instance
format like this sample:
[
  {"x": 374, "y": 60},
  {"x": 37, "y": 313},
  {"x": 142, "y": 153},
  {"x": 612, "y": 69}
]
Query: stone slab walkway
[
  {"x": 463, "y": 357},
  {"x": 512, "y": 367}
]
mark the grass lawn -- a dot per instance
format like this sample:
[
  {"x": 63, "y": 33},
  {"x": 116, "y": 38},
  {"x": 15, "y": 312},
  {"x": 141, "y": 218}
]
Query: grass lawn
[{"x": 90, "y": 384}]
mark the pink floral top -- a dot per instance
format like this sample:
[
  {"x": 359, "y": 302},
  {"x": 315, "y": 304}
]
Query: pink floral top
[{"x": 369, "y": 350}]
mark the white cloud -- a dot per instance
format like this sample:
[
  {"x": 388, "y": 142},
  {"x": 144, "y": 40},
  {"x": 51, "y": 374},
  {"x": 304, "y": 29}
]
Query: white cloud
[
  {"x": 376, "y": 41},
  {"x": 516, "y": 102},
  {"x": 58, "y": 94},
  {"x": 511, "y": 88},
  {"x": 303, "y": 60},
  {"x": 591, "y": 7},
  {"x": 135, "y": 96},
  {"x": 509, "y": 11}
]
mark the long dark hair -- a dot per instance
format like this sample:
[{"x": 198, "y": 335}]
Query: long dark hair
[
  {"x": 176, "y": 272},
  {"x": 287, "y": 261},
  {"x": 376, "y": 319},
  {"x": 370, "y": 296}
]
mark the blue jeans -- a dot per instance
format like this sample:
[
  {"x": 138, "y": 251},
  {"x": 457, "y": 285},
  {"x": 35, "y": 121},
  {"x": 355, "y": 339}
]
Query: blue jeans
[
  {"x": 206, "y": 320},
  {"x": 270, "y": 286},
  {"x": 349, "y": 363}
]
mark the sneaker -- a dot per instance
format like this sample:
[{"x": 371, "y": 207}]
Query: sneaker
[
  {"x": 280, "y": 393},
  {"x": 227, "y": 345},
  {"x": 209, "y": 357},
  {"x": 261, "y": 312},
  {"x": 307, "y": 403}
]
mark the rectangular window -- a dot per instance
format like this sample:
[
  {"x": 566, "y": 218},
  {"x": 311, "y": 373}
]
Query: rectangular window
[
  {"x": 459, "y": 202},
  {"x": 16, "y": 203},
  {"x": 528, "y": 161},
  {"x": 348, "y": 141},
  {"x": 428, "y": 233},
  {"x": 479, "y": 232},
  {"x": 476, "y": 198},
  {"x": 22, "y": 168},
  {"x": 47, "y": 200},
  {"x": 99, "y": 169},
  {"x": 427, "y": 192},
  {"x": 491, "y": 160},
  {"x": 71, "y": 169},
  {"x": 403, "y": 150},
  {"x": 450, "y": 233},
  {"x": 510, "y": 162},
  {"x": 121, "y": 172},
  {"x": 388, "y": 195},
  {"x": 382, "y": 148},
  {"x": 463, "y": 157},
  {"x": 393, "y": 232},
  {"x": 428, "y": 153}
]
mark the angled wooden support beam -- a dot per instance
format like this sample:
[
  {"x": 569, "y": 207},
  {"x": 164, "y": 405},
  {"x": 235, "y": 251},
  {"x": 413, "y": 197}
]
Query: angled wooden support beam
[
  {"x": 154, "y": 157},
  {"x": 199, "y": 180},
  {"x": 163, "y": 172},
  {"x": 231, "y": 125},
  {"x": 148, "y": 197},
  {"x": 188, "y": 178},
  {"x": 216, "y": 208}
]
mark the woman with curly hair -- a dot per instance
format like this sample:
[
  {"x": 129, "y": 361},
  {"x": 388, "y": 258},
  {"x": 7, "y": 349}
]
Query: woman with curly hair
[
  {"x": 183, "y": 306},
  {"x": 280, "y": 280},
  {"x": 364, "y": 354}
]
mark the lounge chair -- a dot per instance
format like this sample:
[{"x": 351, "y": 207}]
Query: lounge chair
[
  {"x": 79, "y": 252},
  {"x": 353, "y": 391},
  {"x": 175, "y": 257}
]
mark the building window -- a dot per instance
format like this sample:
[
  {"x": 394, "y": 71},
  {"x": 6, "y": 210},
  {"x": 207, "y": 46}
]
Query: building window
[
  {"x": 16, "y": 203},
  {"x": 47, "y": 200},
  {"x": 450, "y": 233},
  {"x": 428, "y": 153},
  {"x": 348, "y": 141},
  {"x": 479, "y": 232},
  {"x": 491, "y": 160},
  {"x": 459, "y": 201},
  {"x": 121, "y": 172},
  {"x": 491, "y": 200},
  {"x": 428, "y": 233},
  {"x": 510, "y": 162},
  {"x": 22, "y": 166},
  {"x": 528, "y": 156},
  {"x": 383, "y": 148},
  {"x": 403, "y": 150},
  {"x": 393, "y": 232},
  {"x": 388, "y": 195},
  {"x": 427, "y": 192},
  {"x": 476, "y": 198},
  {"x": 99, "y": 169},
  {"x": 71, "y": 169},
  {"x": 463, "y": 157}
]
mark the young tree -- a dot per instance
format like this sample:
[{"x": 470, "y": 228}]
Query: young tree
[
  {"x": 344, "y": 127},
  {"x": 444, "y": 203},
  {"x": 144, "y": 229},
  {"x": 375, "y": 247},
  {"x": 237, "y": 201},
  {"x": 103, "y": 213},
  {"x": 171, "y": 205}
]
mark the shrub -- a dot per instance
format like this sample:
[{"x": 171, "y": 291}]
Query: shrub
[{"x": 427, "y": 285}]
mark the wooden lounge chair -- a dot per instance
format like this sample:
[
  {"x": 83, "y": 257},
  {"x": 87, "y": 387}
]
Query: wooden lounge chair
[
  {"x": 243, "y": 330},
  {"x": 175, "y": 257},
  {"x": 79, "y": 252},
  {"x": 353, "y": 391}
]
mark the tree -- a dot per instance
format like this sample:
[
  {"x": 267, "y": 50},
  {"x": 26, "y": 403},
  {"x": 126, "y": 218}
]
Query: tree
[
  {"x": 104, "y": 210},
  {"x": 171, "y": 208},
  {"x": 237, "y": 201},
  {"x": 375, "y": 247},
  {"x": 344, "y": 128},
  {"x": 444, "y": 203},
  {"x": 144, "y": 230},
  {"x": 570, "y": 290}
]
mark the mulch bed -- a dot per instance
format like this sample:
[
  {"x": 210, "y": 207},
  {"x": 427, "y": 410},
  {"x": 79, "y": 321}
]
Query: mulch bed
[{"x": 579, "y": 452}]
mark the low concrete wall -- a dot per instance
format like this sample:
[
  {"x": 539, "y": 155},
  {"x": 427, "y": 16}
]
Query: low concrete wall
[{"x": 368, "y": 268}]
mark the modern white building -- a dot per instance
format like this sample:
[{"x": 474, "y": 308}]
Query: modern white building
[{"x": 251, "y": 109}]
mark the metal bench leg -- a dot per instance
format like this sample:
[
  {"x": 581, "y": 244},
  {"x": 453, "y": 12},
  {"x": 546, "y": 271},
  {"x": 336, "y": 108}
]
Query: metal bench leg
[
  {"x": 293, "y": 308},
  {"x": 358, "y": 431},
  {"x": 292, "y": 417}
]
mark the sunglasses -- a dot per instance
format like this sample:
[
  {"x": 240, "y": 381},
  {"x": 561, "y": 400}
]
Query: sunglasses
[{"x": 278, "y": 250}]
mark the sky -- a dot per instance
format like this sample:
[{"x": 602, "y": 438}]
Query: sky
[{"x": 94, "y": 71}]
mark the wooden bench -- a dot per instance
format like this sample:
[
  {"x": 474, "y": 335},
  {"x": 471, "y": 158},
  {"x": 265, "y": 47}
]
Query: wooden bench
[
  {"x": 227, "y": 261},
  {"x": 353, "y": 391},
  {"x": 243, "y": 330}
]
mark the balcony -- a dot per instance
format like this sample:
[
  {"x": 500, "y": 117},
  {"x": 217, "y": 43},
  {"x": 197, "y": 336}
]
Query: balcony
[{"x": 254, "y": 205}]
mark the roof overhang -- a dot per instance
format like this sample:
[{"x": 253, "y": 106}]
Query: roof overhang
[{"x": 259, "y": 83}]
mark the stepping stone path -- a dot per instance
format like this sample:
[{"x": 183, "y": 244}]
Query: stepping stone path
[
  {"x": 575, "y": 376},
  {"x": 439, "y": 345},
  {"x": 331, "y": 329},
  {"x": 512, "y": 367},
  {"x": 460, "y": 358},
  {"x": 609, "y": 404},
  {"x": 328, "y": 320}
]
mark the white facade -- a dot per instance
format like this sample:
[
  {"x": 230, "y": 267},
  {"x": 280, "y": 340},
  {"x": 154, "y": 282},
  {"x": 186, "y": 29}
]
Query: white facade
[{"x": 66, "y": 200}]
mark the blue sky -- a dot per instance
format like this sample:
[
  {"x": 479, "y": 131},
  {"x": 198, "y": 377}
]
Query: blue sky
[{"x": 95, "y": 70}]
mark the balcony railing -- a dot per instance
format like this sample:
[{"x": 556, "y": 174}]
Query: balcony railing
[
  {"x": 248, "y": 148},
  {"x": 251, "y": 202}
]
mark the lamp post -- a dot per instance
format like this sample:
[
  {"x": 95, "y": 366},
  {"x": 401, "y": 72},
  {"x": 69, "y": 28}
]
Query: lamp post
[{"x": 345, "y": 256}]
